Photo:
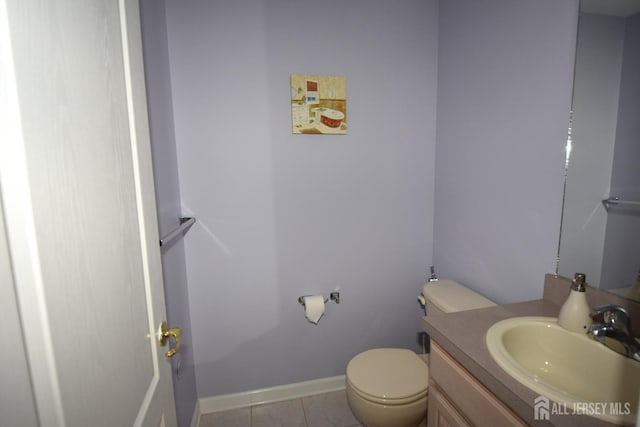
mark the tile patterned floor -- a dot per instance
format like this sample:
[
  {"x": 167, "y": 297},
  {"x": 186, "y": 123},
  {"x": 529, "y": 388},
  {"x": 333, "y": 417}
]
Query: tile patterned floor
[{"x": 321, "y": 410}]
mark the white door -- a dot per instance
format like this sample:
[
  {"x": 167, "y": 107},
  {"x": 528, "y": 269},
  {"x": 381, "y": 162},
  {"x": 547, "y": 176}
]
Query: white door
[{"x": 78, "y": 197}]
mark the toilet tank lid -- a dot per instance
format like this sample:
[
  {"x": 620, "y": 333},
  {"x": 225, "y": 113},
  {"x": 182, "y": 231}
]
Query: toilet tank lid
[{"x": 450, "y": 296}]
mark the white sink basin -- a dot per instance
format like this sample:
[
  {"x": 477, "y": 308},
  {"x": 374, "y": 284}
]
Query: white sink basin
[{"x": 566, "y": 367}]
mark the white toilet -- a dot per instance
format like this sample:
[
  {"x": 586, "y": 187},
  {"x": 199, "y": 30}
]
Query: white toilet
[{"x": 387, "y": 387}]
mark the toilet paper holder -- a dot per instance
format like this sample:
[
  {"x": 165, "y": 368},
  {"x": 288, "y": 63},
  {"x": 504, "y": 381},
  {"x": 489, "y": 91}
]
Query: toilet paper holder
[{"x": 333, "y": 296}]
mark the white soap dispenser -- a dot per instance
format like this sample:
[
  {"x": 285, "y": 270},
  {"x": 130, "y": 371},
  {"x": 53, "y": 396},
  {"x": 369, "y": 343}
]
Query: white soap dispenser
[{"x": 575, "y": 312}]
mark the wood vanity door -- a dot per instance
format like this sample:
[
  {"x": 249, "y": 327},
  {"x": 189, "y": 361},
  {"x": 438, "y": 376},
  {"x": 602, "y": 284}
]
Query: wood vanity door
[
  {"x": 459, "y": 396},
  {"x": 441, "y": 412}
]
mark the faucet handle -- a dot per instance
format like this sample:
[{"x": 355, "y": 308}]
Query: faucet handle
[{"x": 613, "y": 315}]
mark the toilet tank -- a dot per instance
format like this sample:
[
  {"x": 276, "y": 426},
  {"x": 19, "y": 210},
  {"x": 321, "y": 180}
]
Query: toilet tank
[{"x": 448, "y": 296}]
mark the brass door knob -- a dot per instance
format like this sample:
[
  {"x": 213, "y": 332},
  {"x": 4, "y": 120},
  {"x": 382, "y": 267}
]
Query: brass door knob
[{"x": 165, "y": 334}]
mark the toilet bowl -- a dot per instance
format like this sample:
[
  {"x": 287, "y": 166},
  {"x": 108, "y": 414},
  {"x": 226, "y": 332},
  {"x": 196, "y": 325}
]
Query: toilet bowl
[{"x": 387, "y": 387}]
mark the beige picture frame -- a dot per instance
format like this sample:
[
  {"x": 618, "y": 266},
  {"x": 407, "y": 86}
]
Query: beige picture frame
[{"x": 318, "y": 104}]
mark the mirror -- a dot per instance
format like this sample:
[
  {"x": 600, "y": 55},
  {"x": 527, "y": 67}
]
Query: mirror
[{"x": 603, "y": 151}]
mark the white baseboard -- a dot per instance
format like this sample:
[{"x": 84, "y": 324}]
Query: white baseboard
[{"x": 225, "y": 402}]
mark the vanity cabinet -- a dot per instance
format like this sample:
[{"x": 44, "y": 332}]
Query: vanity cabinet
[{"x": 458, "y": 399}]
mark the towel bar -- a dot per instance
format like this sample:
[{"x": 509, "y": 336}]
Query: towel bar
[{"x": 185, "y": 222}]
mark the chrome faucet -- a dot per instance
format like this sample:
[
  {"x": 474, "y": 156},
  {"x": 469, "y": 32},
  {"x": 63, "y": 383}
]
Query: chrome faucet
[{"x": 612, "y": 327}]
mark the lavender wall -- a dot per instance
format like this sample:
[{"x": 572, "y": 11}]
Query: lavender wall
[
  {"x": 165, "y": 165},
  {"x": 595, "y": 104},
  {"x": 622, "y": 244},
  {"x": 626, "y": 173},
  {"x": 281, "y": 216},
  {"x": 505, "y": 72}
]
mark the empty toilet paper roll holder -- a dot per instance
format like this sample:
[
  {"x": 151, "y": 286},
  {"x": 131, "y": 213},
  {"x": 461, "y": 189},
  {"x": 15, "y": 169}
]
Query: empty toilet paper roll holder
[{"x": 333, "y": 296}]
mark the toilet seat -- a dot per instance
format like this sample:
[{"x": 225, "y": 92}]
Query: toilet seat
[
  {"x": 388, "y": 402},
  {"x": 389, "y": 376}
]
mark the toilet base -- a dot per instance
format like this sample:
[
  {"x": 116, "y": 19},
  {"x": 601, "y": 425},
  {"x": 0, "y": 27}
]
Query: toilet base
[{"x": 372, "y": 414}]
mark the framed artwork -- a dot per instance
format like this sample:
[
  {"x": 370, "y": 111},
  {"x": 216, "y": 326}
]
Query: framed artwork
[{"x": 318, "y": 104}]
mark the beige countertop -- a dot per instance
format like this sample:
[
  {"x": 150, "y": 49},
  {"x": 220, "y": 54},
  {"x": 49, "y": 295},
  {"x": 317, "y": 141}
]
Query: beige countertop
[{"x": 462, "y": 335}]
